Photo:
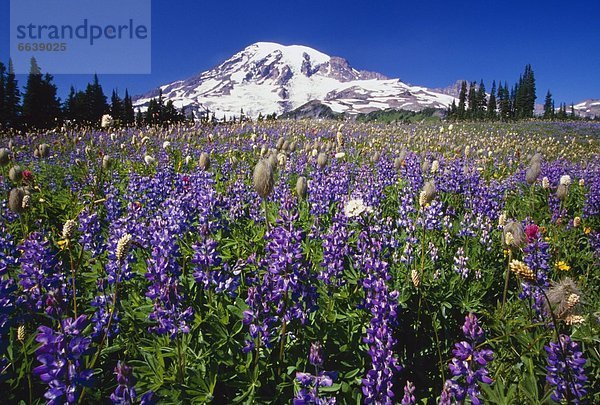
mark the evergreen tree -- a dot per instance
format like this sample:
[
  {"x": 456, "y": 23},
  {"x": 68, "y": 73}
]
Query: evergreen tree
[
  {"x": 3, "y": 116},
  {"x": 548, "y": 107},
  {"x": 573, "y": 116},
  {"x": 128, "y": 113},
  {"x": 12, "y": 96},
  {"x": 481, "y": 99},
  {"x": 41, "y": 107},
  {"x": 462, "y": 99},
  {"x": 116, "y": 107},
  {"x": 472, "y": 100},
  {"x": 96, "y": 102},
  {"x": 491, "y": 105}
]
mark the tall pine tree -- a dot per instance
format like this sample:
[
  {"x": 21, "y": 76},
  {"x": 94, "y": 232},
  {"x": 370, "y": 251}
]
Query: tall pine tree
[
  {"x": 491, "y": 105},
  {"x": 41, "y": 106},
  {"x": 12, "y": 101},
  {"x": 548, "y": 107}
]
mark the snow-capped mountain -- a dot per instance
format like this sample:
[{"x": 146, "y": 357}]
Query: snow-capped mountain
[
  {"x": 270, "y": 78},
  {"x": 587, "y": 108}
]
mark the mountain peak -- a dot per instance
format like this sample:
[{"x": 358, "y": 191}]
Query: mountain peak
[{"x": 267, "y": 77}]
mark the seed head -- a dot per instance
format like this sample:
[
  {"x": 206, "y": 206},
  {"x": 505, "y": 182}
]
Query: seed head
[
  {"x": 322, "y": 160},
  {"x": 517, "y": 235},
  {"x": 43, "y": 150},
  {"x": 263, "y": 178},
  {"x": 280, "y": 143},
  {"x": 15, "y": 200},
  {"x": 15, "y": 174},
  {"x": 564, "y": 297},
  {"x": 4, "y": 156},
  {"x": 204, "y": 161},
  {"x": 301, "y": 187},
  {"x": 427, "y": 193},
  {"x": 106, "y": 162},
  {"x": 562, "y": 191},
  {"x": 533, "y": 172}
]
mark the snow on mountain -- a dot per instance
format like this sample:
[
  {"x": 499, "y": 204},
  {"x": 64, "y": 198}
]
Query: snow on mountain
[
  {"x": 588, "y": 108},
  {"x": 270, "y": 78}
]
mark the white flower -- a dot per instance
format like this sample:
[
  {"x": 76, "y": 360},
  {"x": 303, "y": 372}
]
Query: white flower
[
  {"x": 340, "y": 155},
  {"x": 435, "y": 166},
  {"x": 545, "y": 183},
  {"x": 355, "y": 207},
  {"x": 565, "y": 180},
  {"x": 149, "y": 160},
  {"x": 166, "y": 144},
  {"x": 581, "y": 182},
  {"x": 107, "y": 121}
]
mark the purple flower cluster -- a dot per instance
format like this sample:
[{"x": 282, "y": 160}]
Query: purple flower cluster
[
  {"x": 125, "y": 393},
  {"x": 7, "y": 290},
  {"x": 460, "y": 263},
  {"x": 335, "y": 250},
  {"x": 41, "y": 279},
  {"x": 163, "y": 272},
  {"x": 409, "y": 394},
  {"x": 309, "y": 384},
  {"x": 565, "y": 370},
  {"x": 61, "y": 354},
  {"x": 377, "y": 385},
  {"x": 309, "y": 388},
  {"x": 91, "y": 236},
  {"x": 537, "y": 257},
  {"x": 287, "y": 290},
  {"x": 468, "y": 366}
]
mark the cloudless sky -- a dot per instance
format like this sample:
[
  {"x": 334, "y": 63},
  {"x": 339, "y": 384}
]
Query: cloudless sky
[{"x": 429, "y": 43}]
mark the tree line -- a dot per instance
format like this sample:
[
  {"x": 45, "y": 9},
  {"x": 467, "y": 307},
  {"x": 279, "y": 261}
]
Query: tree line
[
  {"x": 503, "y": 102},
  {"x": 38, "y": 105}
]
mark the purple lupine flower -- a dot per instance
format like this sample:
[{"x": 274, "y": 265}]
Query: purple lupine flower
[
  {"x": 61, "y": 354},
  {"x": 287, "y": 290},
  {"x": 148, "y": 398},
  {"x": 409, "y": 394},
  {"x": 377, "y": 385},
  {"x": 335, "y": 250},
  {"x": 565, "y": 370},
  {"x": 468, "y": 366},
  {"x": 460, "y": 263},
  {"x": 309, "y": 384},
  {"x": 42, "y": 281},
  {"x": 309, "y": 388},
  {"x": 163, "y": 272},
  {"x": 91, "y": 232},
  {"x": 7, "y": 293},
  {"x": 315, "y": 356},
  {"x": 124, "y": 394},
  {"x": 537, "y": 257}
]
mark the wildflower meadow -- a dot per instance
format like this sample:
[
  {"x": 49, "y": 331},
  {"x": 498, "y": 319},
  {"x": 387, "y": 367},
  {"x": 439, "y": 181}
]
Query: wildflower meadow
[{"x": 304, "y": 262}]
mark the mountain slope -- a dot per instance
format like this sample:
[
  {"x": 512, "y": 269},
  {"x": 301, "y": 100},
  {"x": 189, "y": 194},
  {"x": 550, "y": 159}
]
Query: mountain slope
[{"x": 270, "y": 78}]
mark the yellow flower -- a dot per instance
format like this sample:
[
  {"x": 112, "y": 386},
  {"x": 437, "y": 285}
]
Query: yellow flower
[
  {"x": 587, "y": 230},
  {"x": 561, "y": 265}
]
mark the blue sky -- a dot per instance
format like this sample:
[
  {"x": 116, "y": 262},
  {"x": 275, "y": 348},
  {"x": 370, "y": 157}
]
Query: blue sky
[{"x": 430, "y": 43}]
